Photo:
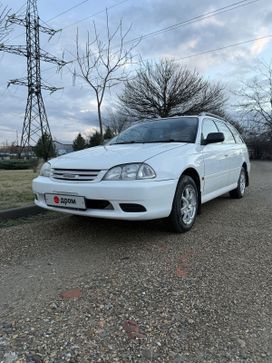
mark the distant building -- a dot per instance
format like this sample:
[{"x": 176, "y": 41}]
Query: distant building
[
  {"x": 62, "y": 149},
  {"x": 5, "y": 156}
]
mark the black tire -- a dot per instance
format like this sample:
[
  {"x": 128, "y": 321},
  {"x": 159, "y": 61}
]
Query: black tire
[
  {"x": 176, "y": 217},
  {"x": 239, "y": 192}
]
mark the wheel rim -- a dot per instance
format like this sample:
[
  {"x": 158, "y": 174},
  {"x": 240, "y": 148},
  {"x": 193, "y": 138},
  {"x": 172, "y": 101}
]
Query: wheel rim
[
  {"x": 242, "y": 182},
  {"x": 188, "y": 204}
]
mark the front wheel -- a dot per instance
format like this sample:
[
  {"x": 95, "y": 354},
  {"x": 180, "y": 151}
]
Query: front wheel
[
  {"x": 185, "y": 205},
  {"x": 241, "y": 187}
]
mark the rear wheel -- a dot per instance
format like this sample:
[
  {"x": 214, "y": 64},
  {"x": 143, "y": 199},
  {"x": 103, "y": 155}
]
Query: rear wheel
[
  {"x": 185, "y": 205},
  {"x": 241, "y": 187}
]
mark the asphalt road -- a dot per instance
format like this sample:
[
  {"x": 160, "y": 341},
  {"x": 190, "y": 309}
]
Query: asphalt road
[{"x": 142, "y": 294}]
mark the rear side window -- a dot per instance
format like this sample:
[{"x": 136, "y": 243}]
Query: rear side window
[
  {"x": 236, "y": 134},
  {"x": 208, "y": 126},
  {"x": 229, "y": 138}
]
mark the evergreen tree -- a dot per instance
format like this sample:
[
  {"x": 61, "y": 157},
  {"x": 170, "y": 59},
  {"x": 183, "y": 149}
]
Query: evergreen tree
[
  {"x": 45, "y": 147},
  {"x": 108, "y": 133},
  {"x": 79, "y": 143},
  {"x": 95, "y": 139}
]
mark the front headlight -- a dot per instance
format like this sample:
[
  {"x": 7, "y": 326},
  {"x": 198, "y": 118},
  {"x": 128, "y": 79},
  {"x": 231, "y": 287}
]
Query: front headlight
[
  {"x": 130, "y": 172},
  {"x": 46, "y": 170}
]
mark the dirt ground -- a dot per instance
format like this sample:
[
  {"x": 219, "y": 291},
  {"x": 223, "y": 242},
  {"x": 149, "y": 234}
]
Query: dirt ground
[{"x": 84, "y": 290}]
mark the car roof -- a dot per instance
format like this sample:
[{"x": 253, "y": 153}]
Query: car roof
[{"x": 201, "y": 115}]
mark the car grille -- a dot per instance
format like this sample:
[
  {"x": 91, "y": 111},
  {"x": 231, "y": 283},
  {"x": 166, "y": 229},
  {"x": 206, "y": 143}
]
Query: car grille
[{"x": 75, "y": 175}]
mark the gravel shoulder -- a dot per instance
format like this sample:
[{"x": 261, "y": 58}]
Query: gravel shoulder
[{"x": 143, "y": 294}]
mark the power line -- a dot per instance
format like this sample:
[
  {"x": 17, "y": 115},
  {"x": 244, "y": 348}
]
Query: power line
[
  {"x": 216, "y": 49},
  {"x": 221, "y": 48},
  {"x": 66, "y": 11},
  {"x": 81, "y": 20},
  {"x": 17, "y": 12},
  {"x": 225, "y": 47},
  {"x": 91, "y": 16},
  {"x": 189, "y": 21},
  {"x": 200, "y": 18},
  {"x": 195, "y": 19},
  {"x": 21, "y": 9}
]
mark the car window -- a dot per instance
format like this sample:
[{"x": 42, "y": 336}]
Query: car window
[
  {"x": 237, "y": 136},
  {"x": 208, "y": 126},
  {"x": 229, "y": 138},
  {"x": 181, "y": 129}
]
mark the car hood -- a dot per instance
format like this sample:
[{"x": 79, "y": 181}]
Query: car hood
[{"x": 105, "y": 157}]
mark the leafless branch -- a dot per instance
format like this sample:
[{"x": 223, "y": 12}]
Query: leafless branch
[
  {"x": 255, "y": 98},
  {"x": 102, "y": 64},
  {"x": 167, "y": 89}
]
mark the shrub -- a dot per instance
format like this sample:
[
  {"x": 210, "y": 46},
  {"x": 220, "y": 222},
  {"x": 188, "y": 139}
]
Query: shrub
[
  {"x": 17, "y": 164},
  {"x": 259, "y": 148}
]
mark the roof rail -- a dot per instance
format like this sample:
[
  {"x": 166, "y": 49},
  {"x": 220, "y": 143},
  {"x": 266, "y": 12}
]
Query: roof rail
[{"x": 211, "y": 115}]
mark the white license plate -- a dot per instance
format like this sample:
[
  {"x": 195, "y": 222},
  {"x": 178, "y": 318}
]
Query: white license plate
[{"x": 65, "y": 201}]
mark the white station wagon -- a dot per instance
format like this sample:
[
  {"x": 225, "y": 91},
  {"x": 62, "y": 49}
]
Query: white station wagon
[{"x": 160, "y": 168}]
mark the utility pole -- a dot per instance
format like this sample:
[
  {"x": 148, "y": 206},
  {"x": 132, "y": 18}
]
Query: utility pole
[{"x": 36, "y": 123}]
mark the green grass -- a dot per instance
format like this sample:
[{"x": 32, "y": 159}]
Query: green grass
[{"x": 15, "y": 188}]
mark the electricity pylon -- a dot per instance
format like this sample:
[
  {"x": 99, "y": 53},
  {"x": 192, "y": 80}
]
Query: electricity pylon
[{"x": 36, "y": 123}]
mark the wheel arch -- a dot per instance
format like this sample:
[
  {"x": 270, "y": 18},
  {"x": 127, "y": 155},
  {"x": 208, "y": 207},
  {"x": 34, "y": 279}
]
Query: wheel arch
[
  {"x": 247, "y": 176},
  {"x": 192, "y": 172}
]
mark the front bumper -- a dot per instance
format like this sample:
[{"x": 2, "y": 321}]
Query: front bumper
[{"x": 155, "y": 196}]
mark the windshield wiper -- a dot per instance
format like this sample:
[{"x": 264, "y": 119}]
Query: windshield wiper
[
  {"x": 127, "y": 142},
  {"x": 149, "y": 142},
  {"x": 161, "y": 141}
]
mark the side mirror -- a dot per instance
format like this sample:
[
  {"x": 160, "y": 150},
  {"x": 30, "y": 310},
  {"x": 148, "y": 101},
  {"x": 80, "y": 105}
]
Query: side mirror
[{"x": 214, "y": 137}]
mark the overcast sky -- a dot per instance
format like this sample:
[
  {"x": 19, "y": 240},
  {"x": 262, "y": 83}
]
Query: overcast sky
[{"x": 73, "y": 109}]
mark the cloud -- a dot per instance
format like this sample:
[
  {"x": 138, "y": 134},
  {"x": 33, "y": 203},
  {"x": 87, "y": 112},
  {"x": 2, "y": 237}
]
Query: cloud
[
  {"x": 259, "y": 46},
  {"x": 73, "y": 109}
]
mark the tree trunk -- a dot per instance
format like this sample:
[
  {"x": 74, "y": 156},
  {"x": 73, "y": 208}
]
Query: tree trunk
[{"x": 100, "y": 122}]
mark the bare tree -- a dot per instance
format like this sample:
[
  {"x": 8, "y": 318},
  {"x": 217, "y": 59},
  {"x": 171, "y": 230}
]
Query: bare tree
[
  {"x": 256, "y": 100},
  {"x": 235, "y": 120},
  {"x": 4, "y": 26},
  {"x": 167, "y": 89},
  {"x": 117, "y": 121},
  {"x": 102, "y": 64}
]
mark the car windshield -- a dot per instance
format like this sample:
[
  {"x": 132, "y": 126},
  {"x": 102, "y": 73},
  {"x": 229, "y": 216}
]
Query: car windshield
[{"x": 182, "y": 129}]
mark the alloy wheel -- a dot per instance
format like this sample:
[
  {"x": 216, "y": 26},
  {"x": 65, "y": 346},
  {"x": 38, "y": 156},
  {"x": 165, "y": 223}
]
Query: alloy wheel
[{"x": 188, "y": 204}]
